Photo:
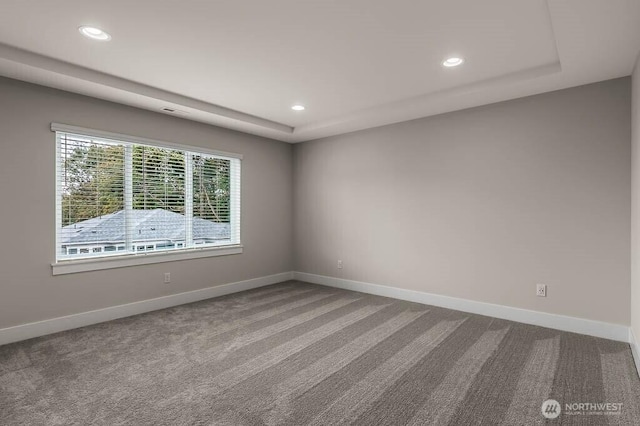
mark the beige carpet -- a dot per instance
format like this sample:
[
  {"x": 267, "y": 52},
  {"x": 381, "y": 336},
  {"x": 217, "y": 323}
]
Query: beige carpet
[{"x": 296, "y": 353}]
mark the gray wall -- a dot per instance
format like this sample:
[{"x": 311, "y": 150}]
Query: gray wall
[
  {"x": 28, "y": 291},
  {"x": 635, "y": 209},
  {"x": 480, "y": 204}
]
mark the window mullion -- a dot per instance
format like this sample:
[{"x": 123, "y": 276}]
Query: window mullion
[
  {"x": 128, "y": 197},
  {"x": 234, "y": 200},
  {"x": 188, "y": 198}
]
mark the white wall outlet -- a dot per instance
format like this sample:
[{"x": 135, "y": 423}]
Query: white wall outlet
[
  {"x": 167, "y": 277},
  {"x": 541, "y": 290},
  {"x": 339, "y": 264}
]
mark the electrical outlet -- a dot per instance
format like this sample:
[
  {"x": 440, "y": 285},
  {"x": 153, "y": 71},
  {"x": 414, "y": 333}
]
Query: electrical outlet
[
  {"x": 167, "y": 277},
  {"x": 541, "y": 290},
  {"x": 339, "y": 264}
]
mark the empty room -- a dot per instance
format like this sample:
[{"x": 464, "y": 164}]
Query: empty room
[{"x": 320, "y": 212}]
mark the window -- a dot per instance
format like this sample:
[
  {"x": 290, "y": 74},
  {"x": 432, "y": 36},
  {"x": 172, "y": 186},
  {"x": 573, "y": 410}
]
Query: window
[{"x": 126, "y": 197}]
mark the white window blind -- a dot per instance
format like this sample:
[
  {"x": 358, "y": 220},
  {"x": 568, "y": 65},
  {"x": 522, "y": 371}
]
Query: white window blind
[{"x": 126, "y": 198}]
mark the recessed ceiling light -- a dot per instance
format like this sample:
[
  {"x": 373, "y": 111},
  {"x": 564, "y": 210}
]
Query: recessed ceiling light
[
  {"x": 452, "y": 62},
  {"x": 94, "y": 33},
  {"x": 298, "y": 107}
]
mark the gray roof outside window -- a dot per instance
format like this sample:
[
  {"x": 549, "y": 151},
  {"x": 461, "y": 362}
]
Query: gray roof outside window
[{"x": 148, "y": 226}]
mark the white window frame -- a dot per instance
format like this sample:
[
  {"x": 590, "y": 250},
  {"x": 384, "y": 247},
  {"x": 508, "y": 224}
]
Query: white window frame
[{"x": 119, "y": 260}]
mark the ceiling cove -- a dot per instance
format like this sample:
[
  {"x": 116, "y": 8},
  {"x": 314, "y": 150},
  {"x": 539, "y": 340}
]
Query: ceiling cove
[{"x": 296, "y": 71}]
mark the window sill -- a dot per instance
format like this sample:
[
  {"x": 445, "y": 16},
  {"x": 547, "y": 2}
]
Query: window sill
[{"x": 84, "y": 265}]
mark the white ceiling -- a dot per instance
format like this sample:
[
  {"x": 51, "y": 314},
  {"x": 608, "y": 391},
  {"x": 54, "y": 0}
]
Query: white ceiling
[{"x": 354, "y": 64}]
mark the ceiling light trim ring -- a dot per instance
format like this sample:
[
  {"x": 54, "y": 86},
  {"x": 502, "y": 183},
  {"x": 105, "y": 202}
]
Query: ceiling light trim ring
[
  {"x": 94, "y": 33},
  {"x": 453, "y": 61}
]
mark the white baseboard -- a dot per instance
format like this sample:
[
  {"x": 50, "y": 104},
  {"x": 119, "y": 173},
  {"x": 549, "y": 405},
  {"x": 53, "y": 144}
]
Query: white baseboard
[
  {"x": 635, "y": 349},
  {"x": 54, "y": 325},
  {"x": 559, "y": 322}
]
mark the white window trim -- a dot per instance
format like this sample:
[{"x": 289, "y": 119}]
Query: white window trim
[
  {"x": 134, "y": 259},
  {"x": 97, "y": 134}
]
